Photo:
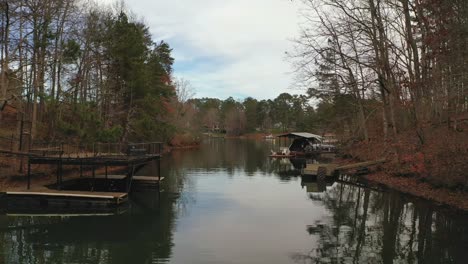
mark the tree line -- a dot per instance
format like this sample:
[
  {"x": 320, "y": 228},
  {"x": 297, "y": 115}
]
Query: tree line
[
  {"x": 400, "y": 64},
  {"x": 76, "y": 69},
  {"x": 286, "y": 112}
]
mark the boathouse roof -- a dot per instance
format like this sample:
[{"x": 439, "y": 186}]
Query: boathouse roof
[{"x": 300, "y": 135}]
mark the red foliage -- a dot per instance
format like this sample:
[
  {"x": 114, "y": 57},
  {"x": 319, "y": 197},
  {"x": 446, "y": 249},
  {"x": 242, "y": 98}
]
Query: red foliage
[
  {"x": 168, "y": 106},
  {"x": 440, "y": 161}
]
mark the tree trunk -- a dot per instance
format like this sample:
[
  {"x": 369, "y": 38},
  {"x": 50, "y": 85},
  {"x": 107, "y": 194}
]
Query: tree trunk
[{"x": 5, "y": 53}]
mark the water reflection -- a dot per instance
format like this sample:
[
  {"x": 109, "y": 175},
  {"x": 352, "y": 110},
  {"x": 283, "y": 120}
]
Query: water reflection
[
  {"x": 142, "y": 235},
  {"x": 314, "y": 186},
  {"x": 227, "y": 202},
  {"x": 372, "y": 227},
  {"x": 230, "y": 155},
  {"x": 233, "y": 155}
]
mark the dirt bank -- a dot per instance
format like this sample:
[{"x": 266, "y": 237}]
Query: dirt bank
[
  {"x": 413, "y": 186},
  {"x": 436, "y": 170}
]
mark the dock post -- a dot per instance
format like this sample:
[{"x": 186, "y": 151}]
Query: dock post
[
  {"x": 94, "y": 178},
  {"x": 29, "y": 174},
  {"x": 61, "y": 174},
  {"x": 58, "y": 175},
  {"x": 130, "y": 177},
  {"x": 159, "y": 177},
  {"x": 321, "y": 173},
  {"x": 106, "y": 170},
  {"x": 159, "y": 169}
]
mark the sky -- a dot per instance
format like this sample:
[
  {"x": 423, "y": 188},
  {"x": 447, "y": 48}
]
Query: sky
[{"x": 226, "y": 47}]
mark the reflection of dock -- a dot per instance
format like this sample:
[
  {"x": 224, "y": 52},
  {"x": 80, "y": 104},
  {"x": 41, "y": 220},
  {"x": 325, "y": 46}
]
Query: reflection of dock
[
  {"x": 313, "y": 169},
  {"x": 314, "y": 186}
]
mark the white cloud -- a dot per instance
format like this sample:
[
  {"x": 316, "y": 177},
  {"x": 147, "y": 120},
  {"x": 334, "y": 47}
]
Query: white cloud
[{"x": 226, "y": 47}]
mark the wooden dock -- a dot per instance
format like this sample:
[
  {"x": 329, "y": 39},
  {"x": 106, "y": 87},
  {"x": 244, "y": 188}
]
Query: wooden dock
[
  {"x": 138, "y": 182},
  {"x": 135, "y": 178},
  {"x": 92, "y": 192},
  {"x": 101, "y": 160},
  {"x": 331, "y": 169},
  {"x": 47, "y": 199},
  {"x": 131, "y": 162},
  {"x": 312, "y": 169}
]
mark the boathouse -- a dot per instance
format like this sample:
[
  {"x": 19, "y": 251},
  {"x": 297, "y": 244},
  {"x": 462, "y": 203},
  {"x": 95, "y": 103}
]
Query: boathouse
[{"x": 303, "y": 143}]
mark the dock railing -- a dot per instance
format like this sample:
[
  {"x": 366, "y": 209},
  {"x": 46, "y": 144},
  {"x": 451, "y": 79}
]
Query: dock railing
[
  {"x": 74, "y": 150},
  {"x": 95, "y": 154},
  {"x": 149, "y": 148}
]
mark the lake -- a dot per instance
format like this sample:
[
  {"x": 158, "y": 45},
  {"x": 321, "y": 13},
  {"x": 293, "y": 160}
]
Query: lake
[{"x": 227, "y": 202}]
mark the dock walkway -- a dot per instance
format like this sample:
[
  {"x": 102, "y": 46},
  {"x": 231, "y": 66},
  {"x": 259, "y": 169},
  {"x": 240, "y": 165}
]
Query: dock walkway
[
  {"x": 38, "y": 198},
  {"x": 330, "y": 169}
]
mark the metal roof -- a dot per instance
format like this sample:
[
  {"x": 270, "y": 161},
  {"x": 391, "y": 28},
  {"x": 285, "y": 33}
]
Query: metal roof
[{"x": 301, "y": 135}]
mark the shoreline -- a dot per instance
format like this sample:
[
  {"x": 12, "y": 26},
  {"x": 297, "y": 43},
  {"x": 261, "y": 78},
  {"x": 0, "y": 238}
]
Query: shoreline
[
  {"x": 435, "y": 171},
  {"x": 412, "y": 186},
  {"x": 191, "y": 146}
]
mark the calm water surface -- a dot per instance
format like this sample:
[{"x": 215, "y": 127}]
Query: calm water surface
[{"x": 228, "y": 203}]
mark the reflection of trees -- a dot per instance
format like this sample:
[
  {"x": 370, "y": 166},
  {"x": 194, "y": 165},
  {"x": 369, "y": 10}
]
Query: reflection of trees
[
  {"x": 372, "y": 227},
  {"x": 141, "y": 236},
  {"x": 231, "y": 155}
]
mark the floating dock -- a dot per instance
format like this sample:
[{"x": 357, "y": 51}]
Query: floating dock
[{"x": 48, "y": 198}]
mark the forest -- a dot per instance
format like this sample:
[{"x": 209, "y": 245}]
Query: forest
[
  {"x": 401, "y": 68},
  {"x": 74, "y": 70},
  {"x": 388, "y": 77}
]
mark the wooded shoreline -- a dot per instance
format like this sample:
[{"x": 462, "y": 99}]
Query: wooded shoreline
[
  {"x": 415, "y": 174},
  {"x": 413, "y": 186}
]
